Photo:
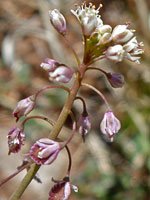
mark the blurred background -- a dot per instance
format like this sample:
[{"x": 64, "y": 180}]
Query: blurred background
[{"x": 102, "y": 170}]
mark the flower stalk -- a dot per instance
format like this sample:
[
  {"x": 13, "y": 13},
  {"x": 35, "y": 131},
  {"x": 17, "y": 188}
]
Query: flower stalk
[
  {"x": 100, "y": 41},
  {"x": 54, "y": 133}
]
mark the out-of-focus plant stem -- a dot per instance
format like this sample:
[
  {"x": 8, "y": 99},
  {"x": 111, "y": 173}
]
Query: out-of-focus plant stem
[{"x": 54, "y": 133}]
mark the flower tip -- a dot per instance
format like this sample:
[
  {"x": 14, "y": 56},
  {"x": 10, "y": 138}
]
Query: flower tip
[{"x": 58, "y": 21}]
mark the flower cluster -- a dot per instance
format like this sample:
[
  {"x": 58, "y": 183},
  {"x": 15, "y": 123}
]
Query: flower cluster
[
  {"x": 100, "y": 41},
  {"x": 115, "y": 44}
]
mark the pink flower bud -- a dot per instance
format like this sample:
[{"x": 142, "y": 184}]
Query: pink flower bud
[
  {"x": 84, "y": 125},
  {"x": 62, "y": 74},
  {"x": 49, "y": 65},
  {"x": 116, "y": 80},
  {"x": 58, "y": 21},
  {"x": 115, "y": 53},
  {"x": 121, "y": 34},
  {"x": 110, "y": 125},
  {"x": 62, "y": 189},
  {"x": 16, "y": 137},
  {"x": 45, "y": 151},
  {"x": 24, "y": 107}
]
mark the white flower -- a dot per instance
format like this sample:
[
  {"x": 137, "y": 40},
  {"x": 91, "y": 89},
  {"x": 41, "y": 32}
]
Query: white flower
[
  {"x": 115, "y": 53},
  {"x": 88, "y": 17},
  {"x": 132, "y": 50}
]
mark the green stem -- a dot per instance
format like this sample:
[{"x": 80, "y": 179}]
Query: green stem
[
  {"x": 54, "y": 133},
  {"x": 25, "y": 182}
]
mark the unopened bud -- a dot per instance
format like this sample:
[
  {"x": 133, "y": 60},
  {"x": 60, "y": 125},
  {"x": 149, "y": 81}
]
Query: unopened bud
[
  {"x": 62, "y": 74},
  {"x": 106, "y": 38},
  {"x": 110, "y": 125},
  {"x": 24, "y": 107},
  {"x": 116, "y": 80},
  {"x": 84, "y": 125},
  {"x": 105, "y": 29},
  {"x": 49, "y": 65},
  {"x": 121, "y": 34},
  {"x": 62, "y": 189},
  {"x": 58, "y": 21},
  {"x": 44, "y": 151}
]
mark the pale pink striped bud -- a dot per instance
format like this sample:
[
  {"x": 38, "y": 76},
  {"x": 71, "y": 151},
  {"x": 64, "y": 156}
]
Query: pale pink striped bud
[
  {"x": 45, "y": 151},
  {"x": 110, "y": 125},
  {"x": 61, "y": 74},
  {"x": 24, "y": 107},
  {"x": 58, "y": 21},
  {"x": 49, "y": 65}
]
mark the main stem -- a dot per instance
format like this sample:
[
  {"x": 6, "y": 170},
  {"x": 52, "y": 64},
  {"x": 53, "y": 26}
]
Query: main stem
[{"x": 54, "y": 133}]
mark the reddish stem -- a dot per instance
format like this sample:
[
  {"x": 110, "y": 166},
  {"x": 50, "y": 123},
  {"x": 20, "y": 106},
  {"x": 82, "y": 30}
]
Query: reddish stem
[
  {"x": 15, "y": 173},
  {"x": 37, "y": 117}
]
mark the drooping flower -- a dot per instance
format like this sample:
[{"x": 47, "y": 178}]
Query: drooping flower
[
  {"x": 121, "y": 34},
  {"x": 45, "y": 151},
  {"x": 58, "y": 21},
  {"x": 84, "y": 125},
  {"x": 62, "y": 189},
  {"x": 116, "y": 80},
  {"x": 16, "y": 137},
  {"x": 88, "y": 17},
  {"x": 115, "y": 53},
  {"x": 49, "y": 65},
  {"x": 110, "y": 125},
  {"x": 61, "y": 74},
  {"x": 24, "y": 107}
]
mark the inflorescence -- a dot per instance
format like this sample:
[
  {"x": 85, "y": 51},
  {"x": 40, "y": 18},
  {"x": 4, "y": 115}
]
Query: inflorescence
[{"x": 101, "y": 41}]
